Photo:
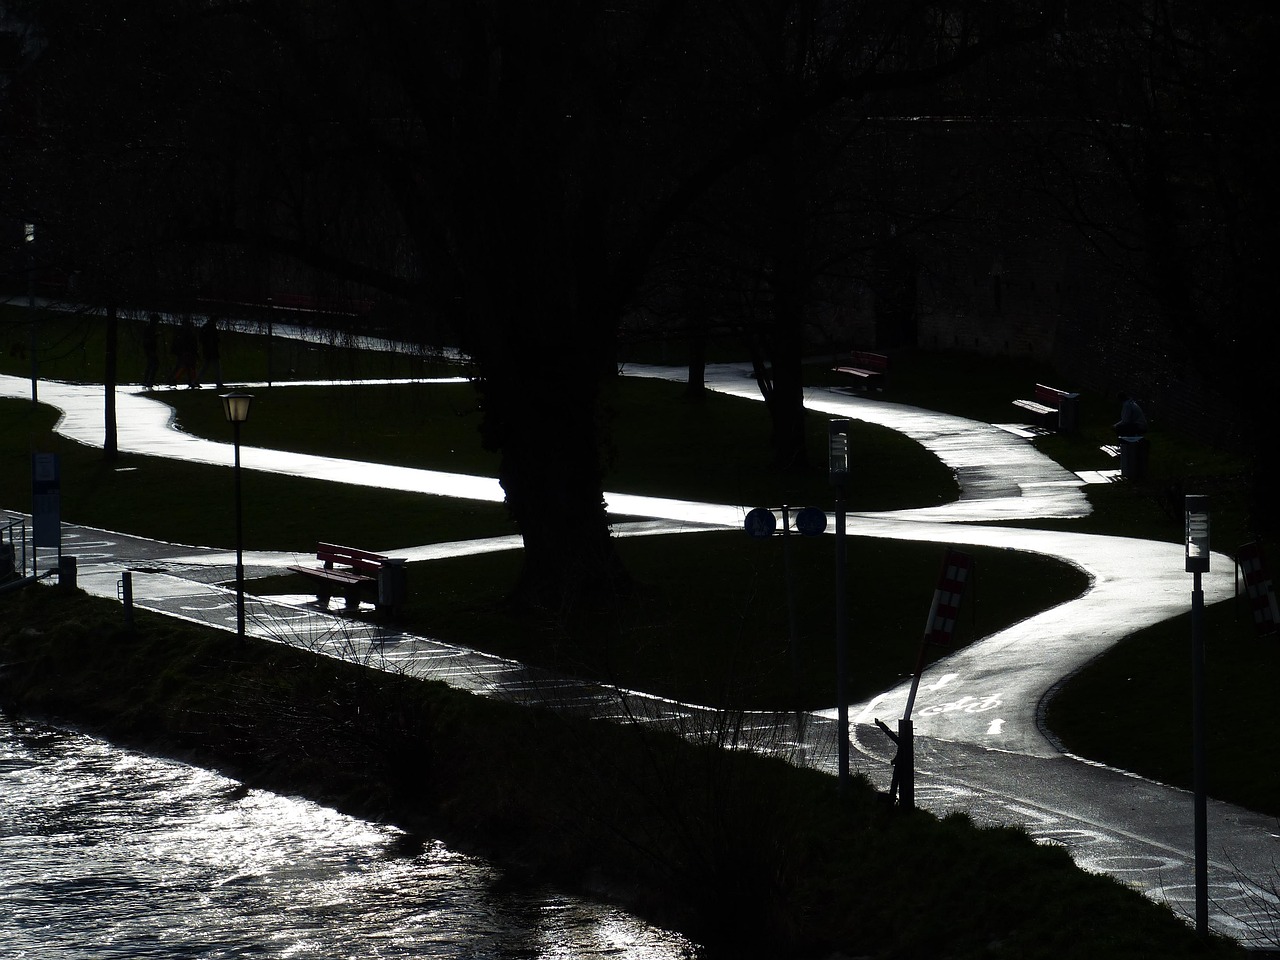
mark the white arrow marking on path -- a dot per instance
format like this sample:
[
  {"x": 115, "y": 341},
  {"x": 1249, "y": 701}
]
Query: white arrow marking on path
[
  {"x": 994, "y": 729},
  {"x": 942, "y": 681}
]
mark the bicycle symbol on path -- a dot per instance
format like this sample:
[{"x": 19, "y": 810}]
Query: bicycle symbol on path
[{"x": 963, "y": 705}]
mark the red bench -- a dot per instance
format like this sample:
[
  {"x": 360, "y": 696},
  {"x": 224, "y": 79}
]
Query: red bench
[
  {"x": 871, "y": 369},
  {"x": 1052, "y": 408},
  {"x": 346, "y": 572}
]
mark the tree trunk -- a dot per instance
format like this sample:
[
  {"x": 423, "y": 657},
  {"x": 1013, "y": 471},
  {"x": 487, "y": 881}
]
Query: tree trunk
[
  {"x": 544, "y": 417},
  {"x": 696, "y": 387},
  {"x": 790, "y": 295},
  {"x": 544, "y": 341}
]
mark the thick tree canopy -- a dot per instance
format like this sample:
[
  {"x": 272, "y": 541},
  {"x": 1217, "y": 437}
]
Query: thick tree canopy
[{"x": 512, "y": 169}]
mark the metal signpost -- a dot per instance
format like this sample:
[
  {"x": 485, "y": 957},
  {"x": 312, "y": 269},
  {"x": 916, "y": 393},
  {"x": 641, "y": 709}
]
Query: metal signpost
[
  {"x": 1197, "y": 527},
  {"x": 838, "y": 472},
  {"x": 957, "y": 569},
  {"x": 761, "y": 524},
  {"x": 236, "y": 408}
]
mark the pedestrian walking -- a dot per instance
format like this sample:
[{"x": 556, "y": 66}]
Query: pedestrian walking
[
  {"x": 212, "y": 352},
  {"x": 151, "y": 350}
]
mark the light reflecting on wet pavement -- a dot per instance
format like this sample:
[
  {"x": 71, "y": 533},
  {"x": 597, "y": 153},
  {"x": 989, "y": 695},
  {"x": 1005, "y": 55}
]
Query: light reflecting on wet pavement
[
  {"x": 108, "y": 853},
  {"x": 981, "y": 746}
]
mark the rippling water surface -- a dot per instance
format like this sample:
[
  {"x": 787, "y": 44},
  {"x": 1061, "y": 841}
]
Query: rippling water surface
[{"x": 109, "y": 853}]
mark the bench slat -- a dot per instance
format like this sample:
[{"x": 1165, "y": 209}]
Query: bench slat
[
  {"x": 1034, "y": 407},
  {"x": 332, "y": 576},
  {"x": 359, "y": 571},
  {"x": 865, "y": 365},
  {"x": 1050, "y": 407}
]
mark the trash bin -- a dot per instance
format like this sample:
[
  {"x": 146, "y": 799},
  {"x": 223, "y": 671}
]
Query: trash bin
[
  {"x": 393, "y": 585},
  {"x": 1069, "y": 413},
  {"x": 1133, "y": 457},
  {"x": 67, "y": 572}
]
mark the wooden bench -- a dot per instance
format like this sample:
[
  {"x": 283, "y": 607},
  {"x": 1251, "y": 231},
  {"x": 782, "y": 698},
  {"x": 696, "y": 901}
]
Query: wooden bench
[
  {"x": 871, "y": 369},
  {"x": 356, "y": 576},
  {"x": 1047, "y": 409}
]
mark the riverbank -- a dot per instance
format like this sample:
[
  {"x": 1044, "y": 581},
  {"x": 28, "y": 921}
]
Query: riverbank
[{"x": 749, "y": 856}]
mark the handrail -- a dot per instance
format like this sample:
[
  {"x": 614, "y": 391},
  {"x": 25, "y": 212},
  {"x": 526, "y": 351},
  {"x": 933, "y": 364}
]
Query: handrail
[{"x": 7, "y": 536}]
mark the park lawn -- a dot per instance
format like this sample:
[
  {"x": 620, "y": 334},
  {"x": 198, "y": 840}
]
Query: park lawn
[
  {"x": 1150, "y": 508},
  {"x": 715, "y": 450},
  {"x": 709, "y": 617},
  {"x": 1131, "y": 708},
  {"x": 189, "y": 503}
]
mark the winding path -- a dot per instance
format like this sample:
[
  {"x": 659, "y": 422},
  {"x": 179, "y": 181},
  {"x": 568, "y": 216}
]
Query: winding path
[{"x": 980, "y": 745}]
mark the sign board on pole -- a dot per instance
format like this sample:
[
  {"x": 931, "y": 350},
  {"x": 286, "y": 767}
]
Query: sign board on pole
[
  {"x": 761, "y": 523},
  {"x": 46, "y": 501},
  {"x": 811, "y": 522},
  {"x": 1262, "y": 594}
]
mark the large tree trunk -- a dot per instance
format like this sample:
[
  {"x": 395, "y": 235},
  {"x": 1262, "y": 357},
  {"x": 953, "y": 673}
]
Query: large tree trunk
[
  {"x": 545, "y": 347},
  {"x": 790, "y": 295},
  {"x": 550, "y": 471}
]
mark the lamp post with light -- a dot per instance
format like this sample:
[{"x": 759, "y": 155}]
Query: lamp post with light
[
  {"x": 838, "y": 450},
  {"x": 29, "y": 239},
  {"x": 236, "y": 408},
  {"x": 1197, "y": 529}
]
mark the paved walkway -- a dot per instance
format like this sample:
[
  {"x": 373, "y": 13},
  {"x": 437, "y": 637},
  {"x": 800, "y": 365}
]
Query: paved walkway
[{"x": 980, "y": 745}]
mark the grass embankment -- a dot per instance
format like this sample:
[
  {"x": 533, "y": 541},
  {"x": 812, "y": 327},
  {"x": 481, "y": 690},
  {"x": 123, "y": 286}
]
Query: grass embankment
[{"x": 749, "y": 856}]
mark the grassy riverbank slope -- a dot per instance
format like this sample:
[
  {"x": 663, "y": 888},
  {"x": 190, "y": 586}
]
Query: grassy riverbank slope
[{"x": 749, "y": 856}]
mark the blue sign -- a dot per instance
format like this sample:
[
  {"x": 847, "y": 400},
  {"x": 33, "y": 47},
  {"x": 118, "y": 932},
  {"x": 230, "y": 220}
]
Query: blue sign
[
  {"x": 811, "y": 522},
  {"x": 761, "y": 523}
]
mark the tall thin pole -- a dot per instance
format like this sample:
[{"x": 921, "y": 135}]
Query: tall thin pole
[
  {"x": 842, "y": 652},
  {"x": 31, "y": 313},
  {"x": 239, "y": 541},
  {"x": 793, "y": 647},
  {"x": 1198, "y": 759}
]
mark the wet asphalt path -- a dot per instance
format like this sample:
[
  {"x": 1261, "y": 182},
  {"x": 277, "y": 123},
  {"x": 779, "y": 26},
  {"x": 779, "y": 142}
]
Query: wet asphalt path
[{"x": 980, "y": 744}]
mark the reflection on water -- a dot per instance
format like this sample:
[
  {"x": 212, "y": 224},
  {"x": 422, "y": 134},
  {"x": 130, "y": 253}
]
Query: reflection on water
[{"x": 108, "y": 853}]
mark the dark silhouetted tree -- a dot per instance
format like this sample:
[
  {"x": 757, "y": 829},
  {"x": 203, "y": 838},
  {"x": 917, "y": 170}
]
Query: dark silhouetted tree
[{"x": 508, "y": 167}]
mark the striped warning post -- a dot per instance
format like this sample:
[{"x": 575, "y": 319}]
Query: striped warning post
[
  {"x": 1262, "y": 594},
  {"x": 956, "y": 570}
]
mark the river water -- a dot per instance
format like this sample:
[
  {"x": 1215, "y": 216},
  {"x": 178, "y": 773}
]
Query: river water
[{"x": 108, "y": 853}]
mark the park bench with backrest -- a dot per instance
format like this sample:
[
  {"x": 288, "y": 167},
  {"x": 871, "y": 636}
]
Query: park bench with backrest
[
  {"x": 346, "y": 572},
  {"x": 870, "y": 369},
  {"x": 1052, "y": 408}
]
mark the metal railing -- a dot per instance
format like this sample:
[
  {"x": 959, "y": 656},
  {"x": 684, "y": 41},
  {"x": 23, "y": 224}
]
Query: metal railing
[{"x": 13, "y": 548}]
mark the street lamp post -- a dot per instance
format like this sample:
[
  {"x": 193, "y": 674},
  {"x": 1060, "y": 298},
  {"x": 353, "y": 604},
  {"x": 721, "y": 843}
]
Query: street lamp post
[
  {"x": 29, "y": 239},
  {"x": 236, "y": 408},
  {"x": 1197, "y": 538},
  {"x": 838, "y": 449}
]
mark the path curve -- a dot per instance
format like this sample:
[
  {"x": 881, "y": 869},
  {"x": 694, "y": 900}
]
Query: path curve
[{"x": 993, "y": 762}]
